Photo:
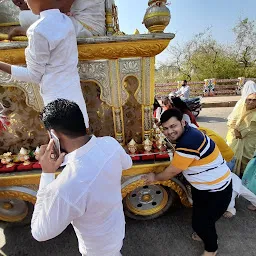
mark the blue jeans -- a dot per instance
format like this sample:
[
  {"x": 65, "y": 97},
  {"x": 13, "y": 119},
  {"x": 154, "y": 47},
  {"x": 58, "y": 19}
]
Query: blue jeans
[{"x": 231, "y": 164}]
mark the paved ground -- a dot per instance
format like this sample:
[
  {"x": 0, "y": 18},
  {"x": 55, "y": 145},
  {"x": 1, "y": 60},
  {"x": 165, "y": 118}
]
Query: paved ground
[
  {"x": 220, "y": 101},
  {"x": 168, "y": 235},
  {"x": 215, "y": 119}
]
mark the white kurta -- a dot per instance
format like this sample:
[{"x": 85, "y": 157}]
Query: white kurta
[
  {"x": 27, "y": 18},
  {"x": 87, "y": 194},
  {"x": 90, "y": 13},
  {"x": 185, "y": 91},
  {"x": 88, "y": 17},
  {"x": 239, "y": 190},
  {"x": 52, "y": 59}
]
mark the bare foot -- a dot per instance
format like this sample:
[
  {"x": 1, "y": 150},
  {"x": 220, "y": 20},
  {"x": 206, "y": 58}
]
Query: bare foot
[
  {"x": 195, "y": 237},
  {"x": 210, "y": 253},
  {"x": 251, "y": 207},
  {"x": 228, "y": 215}
]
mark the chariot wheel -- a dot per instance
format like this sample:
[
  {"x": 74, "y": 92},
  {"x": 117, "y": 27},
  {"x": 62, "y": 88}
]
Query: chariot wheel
[
  {"x": 13, "y": 210},
  {"x": 148, "y": 202}
]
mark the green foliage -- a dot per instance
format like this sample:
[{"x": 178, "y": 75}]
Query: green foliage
[{"x": 203, "y": 57}]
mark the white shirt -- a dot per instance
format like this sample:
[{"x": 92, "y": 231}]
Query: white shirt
[
  {"x": 92, "y": 14},
  {"x": 187, "y": 119},
  {"x": 184, "y": 90},
  {"x": 236, "y": 183},
  {"x": 27, "y": 18},
  {"x": 84, "y": 13},
  {"x": 52, "y": 59},
  {"x": 87, "y": 193}
]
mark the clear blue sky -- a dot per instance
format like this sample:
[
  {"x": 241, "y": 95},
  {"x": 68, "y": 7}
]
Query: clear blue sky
[{"x": 190, "y": 17}]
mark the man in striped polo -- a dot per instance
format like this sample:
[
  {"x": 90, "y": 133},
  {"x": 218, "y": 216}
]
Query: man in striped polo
[{"x": 202, "y": 164}]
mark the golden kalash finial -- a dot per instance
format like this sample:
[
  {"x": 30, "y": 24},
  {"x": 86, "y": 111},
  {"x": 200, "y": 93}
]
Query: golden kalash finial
[{"x": 157, "y": 16}]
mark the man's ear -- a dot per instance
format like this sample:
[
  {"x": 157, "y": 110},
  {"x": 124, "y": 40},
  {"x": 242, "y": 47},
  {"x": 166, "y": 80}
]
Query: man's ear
[{"x": 183, "y": 123}]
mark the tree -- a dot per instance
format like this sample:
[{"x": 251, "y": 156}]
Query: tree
[
  {"x": 203, "y": 57},
  {"x": 245, "y": 43}
]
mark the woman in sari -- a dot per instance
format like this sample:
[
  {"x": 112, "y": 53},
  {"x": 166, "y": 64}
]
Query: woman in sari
[
  {"x": 249, "y": 178},
  {"x": 241, "y": 135}
]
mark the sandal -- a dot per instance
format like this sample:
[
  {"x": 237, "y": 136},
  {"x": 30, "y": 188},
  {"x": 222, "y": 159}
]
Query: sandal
[
  {"x": 215, "y": 253},
  {"x": 251, "y": 207}
]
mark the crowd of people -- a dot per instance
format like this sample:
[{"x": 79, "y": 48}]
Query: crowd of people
[
  {"x": 87, "y": 193},
  {"x": 202, "y": 156}
]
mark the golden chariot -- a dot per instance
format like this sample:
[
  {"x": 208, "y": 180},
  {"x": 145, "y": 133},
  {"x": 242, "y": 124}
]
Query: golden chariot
[{"x": 117, "y": 80}]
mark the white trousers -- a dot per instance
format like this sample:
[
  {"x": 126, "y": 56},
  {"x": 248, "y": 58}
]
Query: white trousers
[{"x": 245, "y": 193}]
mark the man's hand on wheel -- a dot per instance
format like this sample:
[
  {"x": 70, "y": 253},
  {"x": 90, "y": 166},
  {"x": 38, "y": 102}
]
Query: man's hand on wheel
[{"x": 149, "y": 178}]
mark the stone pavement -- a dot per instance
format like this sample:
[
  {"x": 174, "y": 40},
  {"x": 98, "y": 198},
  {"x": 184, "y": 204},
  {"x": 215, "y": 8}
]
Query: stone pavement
[{"x": 220, "y": 101}]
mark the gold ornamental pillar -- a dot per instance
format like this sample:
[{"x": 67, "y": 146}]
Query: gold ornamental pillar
[
  {"x": 117, "y": 109},
  {"x": 109, "y": 16},
  {"x": 148, "y": 91}
]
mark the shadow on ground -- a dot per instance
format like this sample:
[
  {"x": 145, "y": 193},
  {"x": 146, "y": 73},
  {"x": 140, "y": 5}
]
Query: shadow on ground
[
  {"x": 168, "y": 235},
  {"x": 211, "y": 119}
]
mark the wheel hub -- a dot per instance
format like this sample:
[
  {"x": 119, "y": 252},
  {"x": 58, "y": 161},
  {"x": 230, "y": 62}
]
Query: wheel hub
[
  {"x": 147, "y": 200},
  {"x": 7, "y": 205},
  {"x": 13, "y": 210}
]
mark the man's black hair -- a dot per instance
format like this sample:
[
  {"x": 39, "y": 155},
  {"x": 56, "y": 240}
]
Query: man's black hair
[
  {"x": 64, "y": 116},
  {"x": 180, "y": 104},
  {"x": 184, "y": 81},
  {"x": 166, "y": 101},
  {"x": 173, "y": 112}
]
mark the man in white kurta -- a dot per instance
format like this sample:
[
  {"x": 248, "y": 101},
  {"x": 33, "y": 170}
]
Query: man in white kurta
[
  {"x": 88, "y": 17},
  {"x": 52, "y": 59},
  {"x": 184, "y": 91},
  {"x": 87, "y": 192}
]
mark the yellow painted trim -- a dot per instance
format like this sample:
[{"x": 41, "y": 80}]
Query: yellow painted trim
[
  {"x": 119, "y": 86},
  {"x": 18, "y": 195},
  {"x": 33, "y": 177},
  {"x": 146, "y": 168},
  {"x": 13, "y": 56},
  {"x": 142, "y": 121},
  {"x": 98, "y": 51},
  {"x": 8, "y": 24},
  {"x": 125, "y": 49},
  {"x": 152, "y": 80},
  {"x": 4, "y": 37},
  {"x": 143, "y": 96},
  {"x": 151, "y": 15},
  {"x": 157, "y": 28}
]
